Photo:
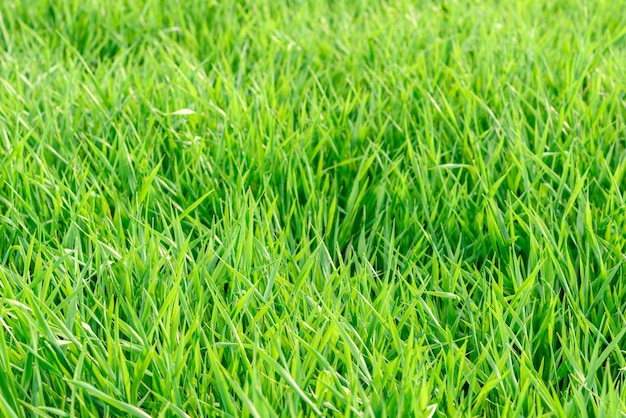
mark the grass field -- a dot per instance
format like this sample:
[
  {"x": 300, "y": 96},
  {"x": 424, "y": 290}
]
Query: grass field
[{"x": 312, "y": 207}]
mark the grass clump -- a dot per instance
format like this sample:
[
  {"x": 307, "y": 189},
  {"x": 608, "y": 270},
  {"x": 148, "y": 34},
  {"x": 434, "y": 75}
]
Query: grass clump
[{"x": 347, "y": 207}]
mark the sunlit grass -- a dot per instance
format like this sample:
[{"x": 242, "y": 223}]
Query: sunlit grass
[{"x": 348, "y": 207}]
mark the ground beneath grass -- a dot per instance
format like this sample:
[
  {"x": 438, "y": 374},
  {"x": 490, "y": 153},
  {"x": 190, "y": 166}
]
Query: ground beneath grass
[{"x": 302, "y": 208}]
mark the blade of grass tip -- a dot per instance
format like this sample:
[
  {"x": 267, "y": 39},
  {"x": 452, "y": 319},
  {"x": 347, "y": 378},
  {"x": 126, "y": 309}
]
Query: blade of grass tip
[
  {"x": 353, "y": 348},
  {"x": 116, "y": 403},
  {"x": 167, "y": 405},
  {"x": 147, "y": 182},
  {"x": 290, "y": 381},
  {"x": 183, "y": 112},
  {"x": 597, "y": 362},
  {"x": 192, "y": 206}
]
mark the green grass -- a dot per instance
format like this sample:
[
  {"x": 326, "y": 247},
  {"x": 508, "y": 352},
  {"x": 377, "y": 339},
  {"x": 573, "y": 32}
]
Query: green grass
[{"x": 299, "y": 208}]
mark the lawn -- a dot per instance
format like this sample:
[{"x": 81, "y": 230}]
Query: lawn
[{"x": 352, "y": 208}]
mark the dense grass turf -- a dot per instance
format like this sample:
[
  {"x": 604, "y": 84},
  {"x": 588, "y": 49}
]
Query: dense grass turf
[{"x": 299, "y": 208}]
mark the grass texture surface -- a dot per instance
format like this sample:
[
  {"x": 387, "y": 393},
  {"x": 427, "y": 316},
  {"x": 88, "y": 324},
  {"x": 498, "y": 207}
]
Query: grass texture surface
[{"x": 312, "y": 208}]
